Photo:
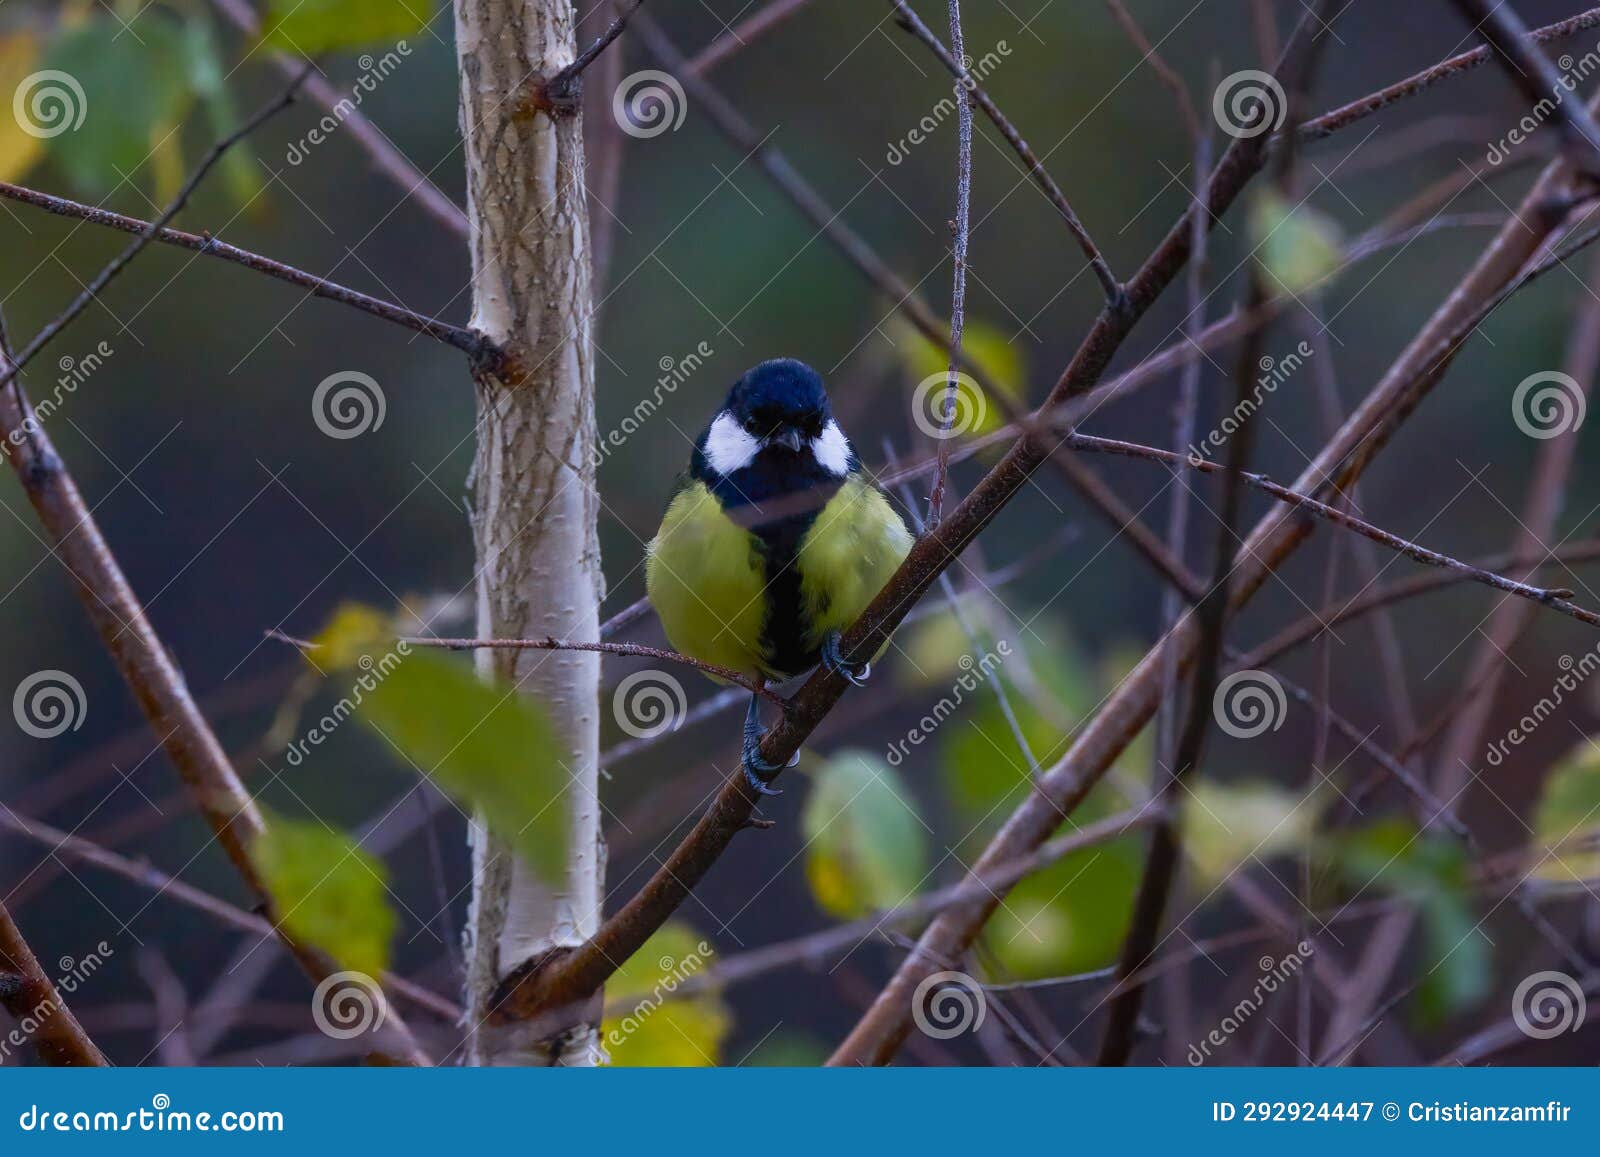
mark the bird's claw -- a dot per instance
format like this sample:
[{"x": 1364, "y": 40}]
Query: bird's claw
[
  {"x": 853, "y": 673},
  {"x": 759, "y": 772}
]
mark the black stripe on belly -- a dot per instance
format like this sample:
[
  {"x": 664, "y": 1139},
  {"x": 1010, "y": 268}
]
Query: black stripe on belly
[{"x": 779, "y": 531}]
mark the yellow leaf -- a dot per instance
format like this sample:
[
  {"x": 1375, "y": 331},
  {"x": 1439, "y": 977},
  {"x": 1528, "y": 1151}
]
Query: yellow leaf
[{"x": 19, "y": 150}]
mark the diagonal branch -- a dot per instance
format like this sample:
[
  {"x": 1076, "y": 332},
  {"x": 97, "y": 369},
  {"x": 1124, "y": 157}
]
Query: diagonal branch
[{"x": 27, "y": 994}]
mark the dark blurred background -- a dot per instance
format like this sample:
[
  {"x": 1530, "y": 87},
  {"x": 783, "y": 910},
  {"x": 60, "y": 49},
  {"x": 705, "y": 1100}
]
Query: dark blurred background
[{"x": 232, "y": 514}]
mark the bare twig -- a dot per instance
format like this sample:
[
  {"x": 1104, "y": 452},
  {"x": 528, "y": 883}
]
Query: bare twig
[
  {"x": 389, "y": 160},
  {"x": 100, "y": 280},
  {"x": 743, "y": 34},
  {"x": 1531, "y": 71},
  {"x": 725, "y": 674},
  {"x": 952, "y": 59},
  {"x": 27, "y": 993},
  {"x": 470, "y": 342}
]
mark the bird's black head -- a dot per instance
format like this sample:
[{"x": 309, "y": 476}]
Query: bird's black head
[
  {"x": 774, "y": 434},
  {"x": 781, "y": 402}
]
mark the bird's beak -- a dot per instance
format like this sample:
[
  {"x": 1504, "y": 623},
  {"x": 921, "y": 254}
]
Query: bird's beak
[{"x": 788, "y": 436}]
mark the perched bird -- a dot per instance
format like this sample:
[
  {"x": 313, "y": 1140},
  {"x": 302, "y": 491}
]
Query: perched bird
[{"x": 775, "y": 541}]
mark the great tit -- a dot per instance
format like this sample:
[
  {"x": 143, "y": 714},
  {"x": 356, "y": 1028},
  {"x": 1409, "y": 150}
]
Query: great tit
[{"x": 774, "y": 542}]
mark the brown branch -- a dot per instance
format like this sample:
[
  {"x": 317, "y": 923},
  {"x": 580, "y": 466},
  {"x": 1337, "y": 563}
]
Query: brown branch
[
  {"x": 725, "y": 674},
  {"x": 27, "y": 994},
  {"x": 952, "y": 59},
  {"x": 146, "y": 666},
  {"x": 86, "y": 851},
  {"x": 1348, "y": 114},
  {"x": 106, "y": 275},
  {"x": 475, "y": 345},
  {"x": 742, "y": 35},
  {"x": 1531, "y": 71},
  {"x": 385, "y": 157}
]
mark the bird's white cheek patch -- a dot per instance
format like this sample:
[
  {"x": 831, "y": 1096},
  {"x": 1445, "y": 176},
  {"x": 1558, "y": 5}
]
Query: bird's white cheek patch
[
  {"x": 832, "y": 450},
  {"x": 729, "y": 446}
]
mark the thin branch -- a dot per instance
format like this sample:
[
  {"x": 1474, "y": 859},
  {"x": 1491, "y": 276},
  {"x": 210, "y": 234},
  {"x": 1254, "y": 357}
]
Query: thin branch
[
  {"x": 561, "y": 92},
  {"x": 99, "y": 282},
  {"x": 78, "y": 848},
  {"x": 1348, "y": 114},
  {"x": 961, "y": 229},
  {"x": 952, "y": 59},
  {"x": 1531, "y": 71},
  {"x": 388, "y": 160},
  {"x": 27, "y": 994},
  {"x": 470, "y": 342},
  {"x": 742, "y": 35},
  {"x": 725, "y": 674}
]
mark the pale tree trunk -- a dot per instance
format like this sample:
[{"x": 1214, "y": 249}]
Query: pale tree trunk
[{"x": 535, "y": 510}]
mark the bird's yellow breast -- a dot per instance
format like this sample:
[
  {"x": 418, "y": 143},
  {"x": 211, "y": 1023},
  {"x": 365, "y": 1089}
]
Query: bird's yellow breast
[{"x": 709, "y": 579}]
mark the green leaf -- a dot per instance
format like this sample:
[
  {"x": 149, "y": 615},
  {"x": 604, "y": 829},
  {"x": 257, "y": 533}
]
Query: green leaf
[
  {"x": 1226, "y": 824},
  {"x": 309, "y": 27},
  {"x": 130, "y": 90},
  {"x": 1296, "y": 244},
  {"x": 486, "y": 745},
  {"x": 1566, "y": 820},
  {"x": 240, "y": 170},
  {"x": 327, "y": 892},
  {"x": 1432, "y": 872},
  {"x": 656, "y": 1028},
  {"x": 865, "y": 845}
]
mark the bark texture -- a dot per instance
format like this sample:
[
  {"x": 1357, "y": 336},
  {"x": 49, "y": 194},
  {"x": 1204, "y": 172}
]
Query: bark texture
[{"x": 534, "y": 502}]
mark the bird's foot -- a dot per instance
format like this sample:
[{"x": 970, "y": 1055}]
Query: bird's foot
[
  {"x": 853, "y": 673},
  {"x": 758, "y": 771}
]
